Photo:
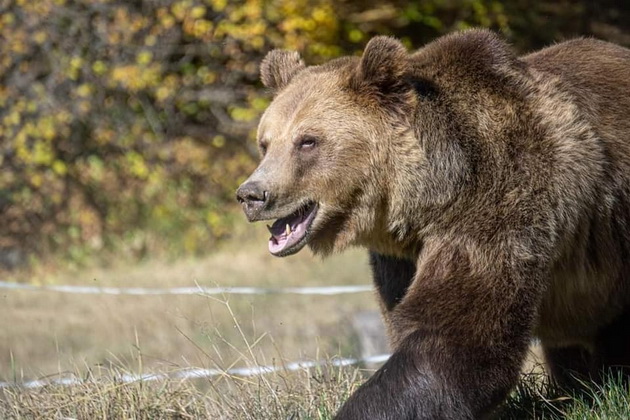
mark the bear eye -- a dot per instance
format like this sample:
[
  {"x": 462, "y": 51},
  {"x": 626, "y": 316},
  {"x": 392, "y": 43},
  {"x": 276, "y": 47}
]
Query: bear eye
[
  {"x": 306, "y": 142},
  {"x": 263, "y": 148}
]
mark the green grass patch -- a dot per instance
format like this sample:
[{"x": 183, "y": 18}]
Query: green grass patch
[
  {"x": 536, "y": 398},
  {"x": 309, "y": 394}
]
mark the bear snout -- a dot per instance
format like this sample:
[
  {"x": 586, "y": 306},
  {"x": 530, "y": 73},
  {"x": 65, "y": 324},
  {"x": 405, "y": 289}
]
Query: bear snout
[{"x": 253, "y": 199}]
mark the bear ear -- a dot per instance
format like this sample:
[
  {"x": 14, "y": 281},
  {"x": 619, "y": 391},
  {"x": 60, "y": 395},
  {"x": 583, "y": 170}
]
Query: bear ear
[
  {"x": 384, "y": 65},
  {"x": 278, "y": 68}
]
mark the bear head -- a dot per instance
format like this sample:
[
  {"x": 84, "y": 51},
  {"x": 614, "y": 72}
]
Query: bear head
[{"x": 352, "y": 147}]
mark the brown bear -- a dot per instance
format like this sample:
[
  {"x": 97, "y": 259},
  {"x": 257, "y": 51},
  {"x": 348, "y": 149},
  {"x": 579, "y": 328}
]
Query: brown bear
[{"x": 492, "y": 192}]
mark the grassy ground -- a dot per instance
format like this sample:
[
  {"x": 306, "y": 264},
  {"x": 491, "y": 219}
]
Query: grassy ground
[
  {"x": 46, "y": 334},
  {"x": 309, "y": 394}
]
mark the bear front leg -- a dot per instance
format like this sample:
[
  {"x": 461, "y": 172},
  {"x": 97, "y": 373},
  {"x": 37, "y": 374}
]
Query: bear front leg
[
  {"x": 392, "y": 277},
  {"x": 460, "y": 335}
]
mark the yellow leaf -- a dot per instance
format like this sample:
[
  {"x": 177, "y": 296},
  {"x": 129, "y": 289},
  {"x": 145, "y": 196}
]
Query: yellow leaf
[
  {"x": 84, "y": 90},
  {"x": 218, "y": 5},
  {"x": 144, "y": 57},
  {"x": 36, "y": 180},
  {"x": 76, "y": 62},
  {"x": 355, "y": 35},
  {"x": 59, "y": 167},
  {"x": 218, "y": 141},
  {"x": 198, "y": 12},
  {"x": 150, "y": 40},
  {"x": 8, "y": 18},
  {"x": 99, "y": 68},
  {"x": 40, "y": 37}
]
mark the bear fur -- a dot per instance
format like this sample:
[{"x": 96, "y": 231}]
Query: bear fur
[{"x": 492, "y": 192}]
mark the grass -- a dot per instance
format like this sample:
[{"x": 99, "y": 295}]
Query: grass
[
  {"x": 308, "y": 394},
  {"x": 314, "y": 393},
  {"x": 98, "y": 338},
  {"x": 535, "y": 398},
  {"x": 305, "y": 395},
  {"x": 46, "y": 333}
]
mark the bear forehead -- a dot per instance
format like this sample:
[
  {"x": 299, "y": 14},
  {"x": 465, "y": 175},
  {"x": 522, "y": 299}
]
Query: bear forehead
[{"x": 312, "y": 101}]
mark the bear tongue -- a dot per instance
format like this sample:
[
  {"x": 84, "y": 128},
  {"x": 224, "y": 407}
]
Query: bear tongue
[
  {"x": 280, "y": 237},
  {"x": 290, "y": 230}
]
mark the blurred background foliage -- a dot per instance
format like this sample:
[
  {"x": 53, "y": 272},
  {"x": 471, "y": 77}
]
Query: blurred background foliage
[{"x": 125, "y": 126}]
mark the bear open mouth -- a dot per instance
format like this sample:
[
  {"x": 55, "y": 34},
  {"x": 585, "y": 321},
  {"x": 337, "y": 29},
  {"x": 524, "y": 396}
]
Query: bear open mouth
[{"x": 289, "y": 234}]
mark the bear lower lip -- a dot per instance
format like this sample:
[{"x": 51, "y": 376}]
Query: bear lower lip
[{"x": 289, "y": 234}]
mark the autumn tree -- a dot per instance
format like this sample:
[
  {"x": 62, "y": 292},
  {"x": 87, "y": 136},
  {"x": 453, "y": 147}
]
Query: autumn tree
[{"x": 127, "y": 125}]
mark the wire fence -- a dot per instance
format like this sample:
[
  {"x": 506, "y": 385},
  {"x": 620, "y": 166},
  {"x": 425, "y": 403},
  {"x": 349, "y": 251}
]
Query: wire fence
[
  {"x": 199, "y": 373},
  {"x": 196, "y": 290},
  {"x": 195, "y": 373}
]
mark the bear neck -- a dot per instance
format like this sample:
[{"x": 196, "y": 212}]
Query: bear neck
[{"x": 396, "y": 227}]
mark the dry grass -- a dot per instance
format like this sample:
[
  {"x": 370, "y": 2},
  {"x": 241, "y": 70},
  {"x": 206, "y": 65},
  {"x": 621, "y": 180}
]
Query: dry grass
[
  {"x": 308, "y": 394},
  {"x": 96, "y": 337},
  {"x": 46, "y": 333},
  {"x": 312, "y": 394},
  {"x": 99, "y": 337}
]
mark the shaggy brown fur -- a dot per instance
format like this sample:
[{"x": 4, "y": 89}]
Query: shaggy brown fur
[{"x": 492, "y": 191}]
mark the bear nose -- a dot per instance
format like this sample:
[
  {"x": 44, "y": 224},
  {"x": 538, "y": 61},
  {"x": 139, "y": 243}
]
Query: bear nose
[{"x": 253, "y": 199}]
